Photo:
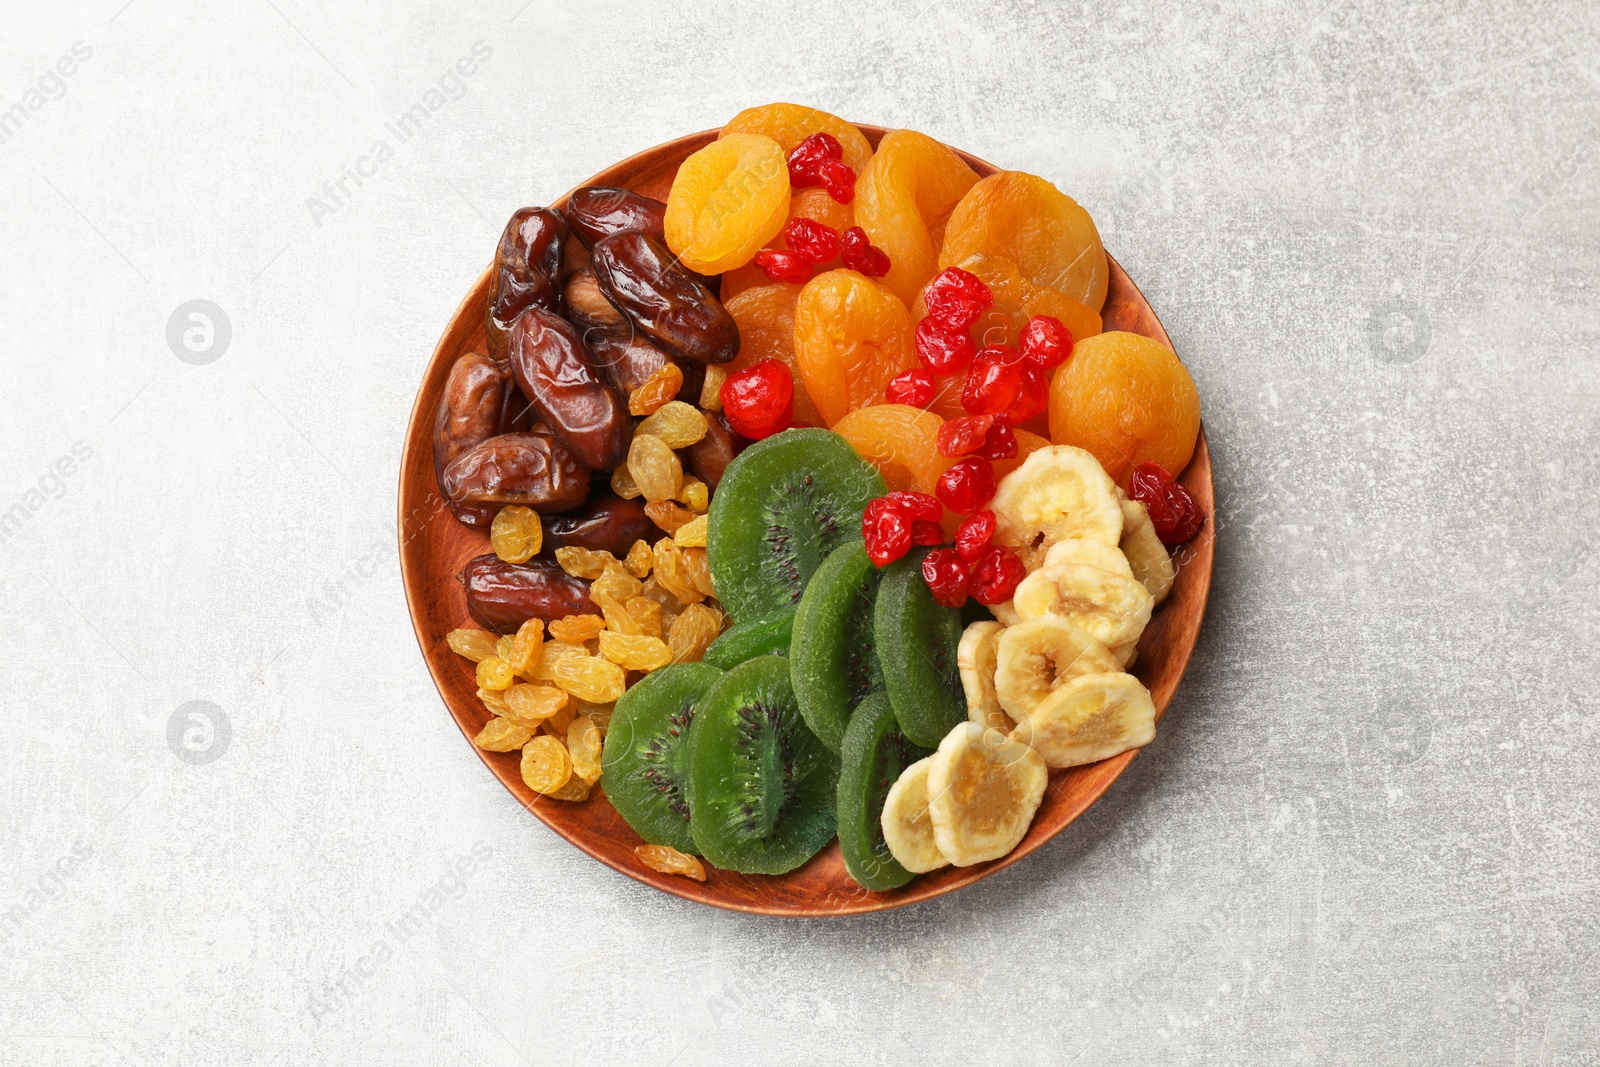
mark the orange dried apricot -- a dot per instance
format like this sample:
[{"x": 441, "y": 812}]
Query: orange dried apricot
[
  {"x": 901, "y": 441},
  {"x": 1027, "y": 444},
  {"x": 1127, "y": 399},
  {"x": 851, "y": 335},
  {"x": 813, "y": 204},
  {"x": 765, "y": 316},
  {"x": 903, "y": 199},
  {"x": 1016, "y": 300},
  {"x": 789, "y": 124},
  {"x": 1023, "y": 218},
  {"x": 727, "y": 200}
]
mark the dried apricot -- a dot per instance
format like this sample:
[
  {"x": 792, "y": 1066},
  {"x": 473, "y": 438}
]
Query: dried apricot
[
  {"x": 503, "y": 735},
  {"x": 765, "y": 316},
  {"x": 516, "y": 534},
  {"x": 576, "y": 629},
  {"x": 1127, "y": 399},
  {"x": 693, "y": 631},
  {"x": 584, "y": 746},
  {"x": 727, "y": 200},
  {"x": 789, "y": 124},
  {"x": 903, "y": 198},
  {"x": 1023, "y": 218},
  {"x": 635, "y": 653},
  {"x": 1027, "y": 445},
  {"x": 813, "y": 204},
  {"x": 656, "y": 469},
  {"x": 656, "y": 390},
  {"x": 546, "y": 764},
  {"x": 668, "y": 860},
  {"x": 901, "y": 441},
  {"x": 677, "y": 424},
  {"x": 476, "y": 645},
  {"x": 851, "y": 335},
  {"x": 1016, "y": 300}
]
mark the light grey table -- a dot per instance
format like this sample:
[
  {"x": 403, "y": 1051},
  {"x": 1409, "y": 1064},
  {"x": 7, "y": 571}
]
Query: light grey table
[{"x": 1367, "y": 831}]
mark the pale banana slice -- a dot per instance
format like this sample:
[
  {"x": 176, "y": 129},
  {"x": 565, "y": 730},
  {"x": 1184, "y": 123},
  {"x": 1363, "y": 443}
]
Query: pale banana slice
[
  {"x": 975, "y": 659},
  {"x": 1090, "y": 553},
  {"x": 1037, "y": 655},
  {"x": 1089, "y": 719},
  {"x": 1144, "y": 551},
  {"x": 1126, "y": 654},
  {"x": 1006, "y": 612},
  {"x": 906, "y": 827},
  {"x": 983, "y": 789},
  {"x": 1058, "y": 492},
  {"x": 1113, "y": 608}
]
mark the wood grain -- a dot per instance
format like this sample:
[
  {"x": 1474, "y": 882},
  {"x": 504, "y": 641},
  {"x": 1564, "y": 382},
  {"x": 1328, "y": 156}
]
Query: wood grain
[{"x": 433, "y": 547}]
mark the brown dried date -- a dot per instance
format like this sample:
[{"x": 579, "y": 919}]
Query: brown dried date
[
  {"x": 531, "y": 469},
  {"x": 527, "y": 272},
  {"x": 597, "y": 211},
  {"x": 472, "y": 409},
  {"x": 606, "y": 524},
  {"x": 554, "y": 372},
  {"x": 708, "y": 458},
  {"x": 642, "y": 278},
  {"x": 502, "y": 596},
  {"x": 621, "y": 354}
]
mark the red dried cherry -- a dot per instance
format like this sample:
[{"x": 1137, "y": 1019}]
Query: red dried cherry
[
  {"x": 1001, "y": 442},
  {"x": 858, "y": 253},
  {"x": 960, "y": 437},
  {"x": 784, "y": 266},
  {"x": 946, "y": 574},
  {"x": 1033, "y": 392},
  {"x": 815, "y": 240},
  {"x": 806, "y": 161},
  {"x": 926, "y": 533},
  {"x": 914, "y": 387},
  {"x": 967, "y": 485},
  {"x": 956, "y": 298},
  {"x": 943, "y": 349},
  {"x": 838, "y": 179},
  {"x": 972, "y": 536},
  {"x": 996, "y": 575},
  {"x": 918, "y": 507},
  {"x": 1173, "y": 511},
  {"x": 759, "y": 400},
  {"x": 886, "y": 531},
  {"x": 1046, "y": 342},
  {"x": 992, "y": 383}
]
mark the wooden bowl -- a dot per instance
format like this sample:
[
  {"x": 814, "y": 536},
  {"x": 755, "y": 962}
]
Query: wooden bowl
[{"x": 433, "y": 547}]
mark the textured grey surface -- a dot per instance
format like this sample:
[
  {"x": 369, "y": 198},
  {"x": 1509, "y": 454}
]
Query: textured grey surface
[{"x": 1367, "y": 830}]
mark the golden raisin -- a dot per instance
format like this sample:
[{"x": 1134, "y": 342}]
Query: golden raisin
[
  {"x": 552, "y": 655},
  {"x": 576, "y": 628},
  {"x": 657, "y": 389},
  {"x": 695, "y": 494},
  {"x": 655, "y": 468},
  {"x": 711, "y": 390},
  {"x": 476, "y": 645},
  {"x": 692, "y": 632},
  {"x": 677, "y": 424},
  {"x": 556, "y": 725},
  {"x": 668, "y": 516},
  {"x": 496, "y": 700},
  {"x": 616, "y": 582},
  {"x": 584, "y": 746},
  {"x": 635, "y": 653},
  {"x": 672, "y": 573},
  {"x": 524, "y": 651},
  {"x": 592, "y": 678},
  {"x": 599, "y": 714},
  {"x": 583, "y": 562},
  {"x": 503, "y": 735},
  {"x": 516, "y": 535},
  {"x": 534, "y": 703},
  {"x": 668, "y": 860},
  {"x": 546, "y": 764},
  {"x": 502, "y": 648},
  {"x": 622, "y": 483},
  {"x": 698, "y": 566},
  {"x": 646, "y": 615},
  {"x": 692, "y": 534},
  {"x": 639, "y": 559},
  {"x": 495, "y": 673},
  {"x": 617, "y": 618},
  {"x": 574, "y": 791}
]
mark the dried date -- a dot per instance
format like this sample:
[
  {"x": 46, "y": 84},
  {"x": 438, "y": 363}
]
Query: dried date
[
  {"x": 708, "y": 458},
  {"x": 527, "y": 272},
  {"x": 678, "y": 313},
  {"x": 605, "y": 524},
  {"x": 531, "y": 469},
  {"x": 597, "y": 211},
  {"x": 502, "y": 596},
  {"x": 554, "y": 372},
  {"x": 472, "y": 409}
]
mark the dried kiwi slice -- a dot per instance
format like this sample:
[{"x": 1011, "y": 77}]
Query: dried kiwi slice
[
  {"x": 761, "y": 787},
  {"x": 917, "y": 639},
  {"x": 831, "y": 657},
  {"x": 766, "y": 636},
  {"x": 645, "y": 763},
  {"x": 874, "y": 754},
  {"x": 782, "y": 506}
]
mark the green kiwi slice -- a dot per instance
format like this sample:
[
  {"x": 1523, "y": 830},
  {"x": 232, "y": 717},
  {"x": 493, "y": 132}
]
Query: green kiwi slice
[
  {"x": 917, "y": 639},
  {"x": 766, "y": 636},
  {"x": 874, "y": 754},
  {"x": 761, "y": 787},
  {"x": 782, "y": 505},
  {"x": 645, "y": 762},
  {"x": 831, "y": 657}
]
